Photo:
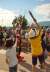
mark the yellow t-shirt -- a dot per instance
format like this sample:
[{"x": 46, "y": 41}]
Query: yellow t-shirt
[{"x": 36, "y": 44}]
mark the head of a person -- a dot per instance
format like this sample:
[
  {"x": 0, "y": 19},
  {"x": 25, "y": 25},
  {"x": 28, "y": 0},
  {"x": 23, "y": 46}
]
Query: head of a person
[{"x": 9, "y": 43}]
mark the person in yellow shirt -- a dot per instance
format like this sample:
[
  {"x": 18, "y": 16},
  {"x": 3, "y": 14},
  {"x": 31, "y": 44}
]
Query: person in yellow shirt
[{"x": 37, "y": 51}]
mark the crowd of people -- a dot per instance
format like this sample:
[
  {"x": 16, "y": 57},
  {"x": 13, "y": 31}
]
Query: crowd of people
[{"x": 40, "y": 46}]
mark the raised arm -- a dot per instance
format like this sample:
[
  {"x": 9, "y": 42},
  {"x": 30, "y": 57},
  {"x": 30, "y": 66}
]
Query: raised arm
[{"x": 37, "y": 25}]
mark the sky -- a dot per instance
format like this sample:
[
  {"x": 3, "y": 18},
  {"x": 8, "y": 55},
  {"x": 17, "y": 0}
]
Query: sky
[{"x": 11, "y": 8}]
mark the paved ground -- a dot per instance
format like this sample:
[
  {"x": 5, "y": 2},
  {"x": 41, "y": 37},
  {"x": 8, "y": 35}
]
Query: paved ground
[{"x": 25, "y": 66}]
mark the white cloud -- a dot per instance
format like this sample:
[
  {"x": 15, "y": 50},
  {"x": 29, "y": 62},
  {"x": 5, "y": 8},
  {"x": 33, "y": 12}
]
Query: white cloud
[
  {"x": 43, "y": 10},
  {"x": 6, "y": 17}
]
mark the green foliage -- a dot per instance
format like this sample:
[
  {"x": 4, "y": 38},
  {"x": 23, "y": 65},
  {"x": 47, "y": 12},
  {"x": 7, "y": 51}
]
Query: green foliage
[
  {"x": 20, "y": 20},
  {"x": 25, "y": 22},
  {"x": 14, "y": 21}
]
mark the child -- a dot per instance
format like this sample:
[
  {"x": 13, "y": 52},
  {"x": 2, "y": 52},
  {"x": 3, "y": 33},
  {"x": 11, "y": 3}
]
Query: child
[{"x": 11, "y": 55}]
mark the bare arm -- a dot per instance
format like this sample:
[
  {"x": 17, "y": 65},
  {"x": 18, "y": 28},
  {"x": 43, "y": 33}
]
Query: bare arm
[{"x": 37, "y": 25}]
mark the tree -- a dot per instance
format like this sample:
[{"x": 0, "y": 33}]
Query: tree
[
  {"x": 25, "y": 22},
  {"x": 20, "y": 20},
  {"x": 14, "y": 22}
]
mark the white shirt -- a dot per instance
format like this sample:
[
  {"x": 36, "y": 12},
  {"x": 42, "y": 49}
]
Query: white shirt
[
  {"x": 26, "y": 35},
  {"x": 11, "y": 55},
  {"x": 31, "y": 33}
]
